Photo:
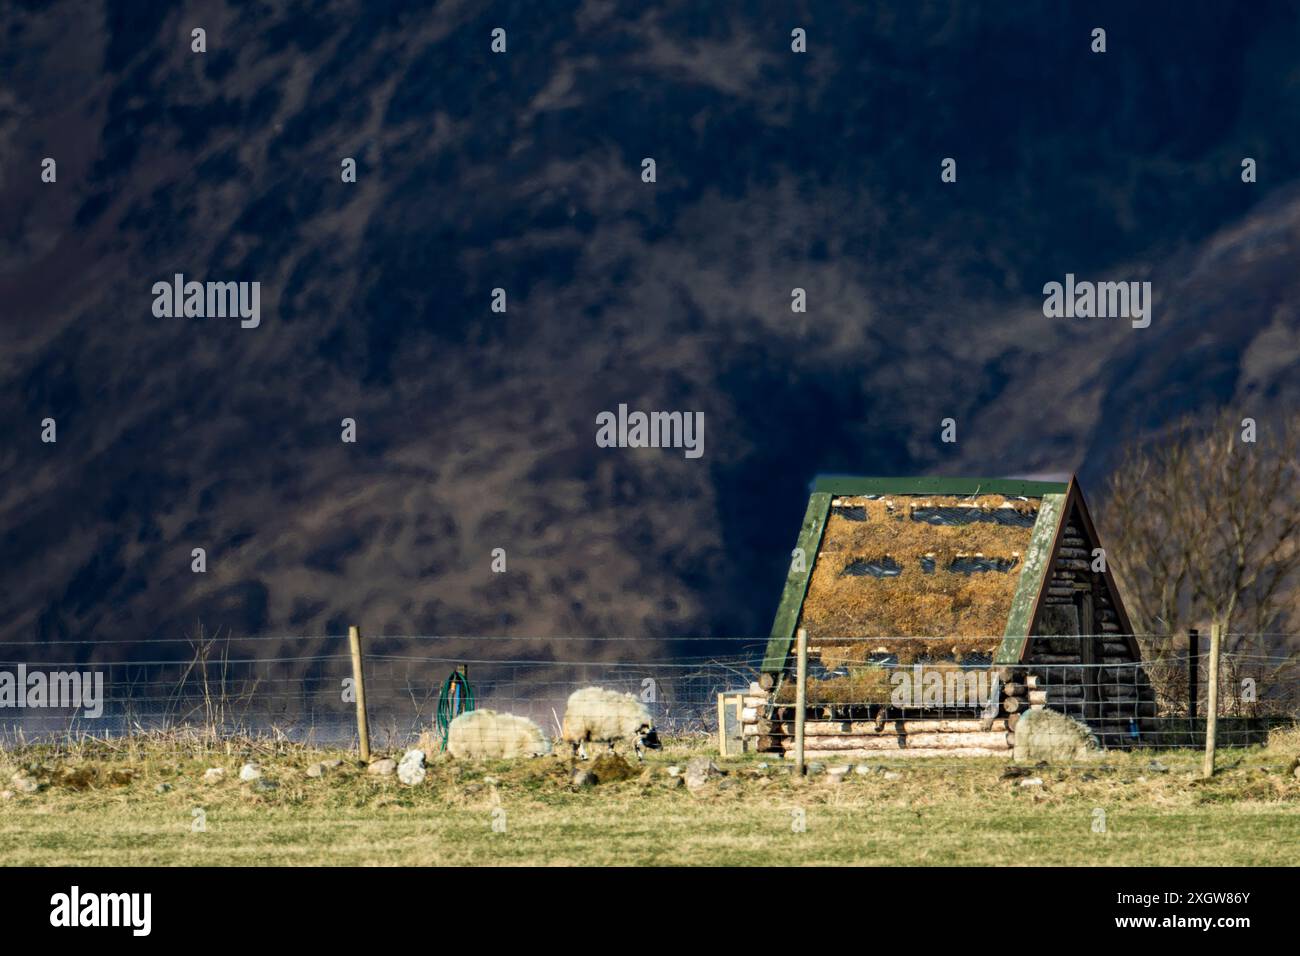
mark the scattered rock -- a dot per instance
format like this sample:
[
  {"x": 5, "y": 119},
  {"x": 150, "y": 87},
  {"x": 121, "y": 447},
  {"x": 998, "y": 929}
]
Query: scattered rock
[
  {"x": 383, "y": 768},
  {"x": 1032, "y": 782},
  {"x": 1155, "y": 766},
  {"x": 332, "y": 763},
  {"x": 676, "y": 783},
  {"x": 411, "y": 770},
  {"x": 611, "y": 768},
  {"x": 24, "y": 784},
  {"x": 6, "y": 794},
  {"x": 840, "y": 772},
  {"x": 728, "y": 783},
  {"x": 893, "y": 775},
  {"x": 582, "y": 778},
  {"x": 250, "y": 771},
  {"x": 815, "y": 768},
  {"x": 699, "y": 771},
  {"x": 761, "y": 767},
  {"x": 214, "y": 775},
  {"x": 264, "y": 786},
  {"x": 162, "y": 788},
  {"x": 863, "y": 769},
  {"x": 316, "y": 770},
  {"x": 673, "y": 771}
]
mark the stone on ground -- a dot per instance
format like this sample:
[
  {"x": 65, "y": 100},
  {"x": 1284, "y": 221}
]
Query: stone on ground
[
  {"x": 1052, "y": 736},
  {"x": 699, "y": 771},
  {"x": 411, "y": 770}
]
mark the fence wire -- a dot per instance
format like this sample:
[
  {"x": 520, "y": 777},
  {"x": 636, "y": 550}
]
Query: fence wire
[{"x": 299, "y": 689}]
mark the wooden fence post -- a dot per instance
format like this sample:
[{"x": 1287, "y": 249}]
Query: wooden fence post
[
  {"x": 722, "y": 725},
  {"x": 800, "y": 699},
  {"x": 1193, "y": 671},
  {"x": 1212, "y": 702},
  {"x": 359, "y": 689}
]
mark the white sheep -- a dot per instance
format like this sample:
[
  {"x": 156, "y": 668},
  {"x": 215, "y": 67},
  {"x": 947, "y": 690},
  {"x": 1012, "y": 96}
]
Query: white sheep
[
  {"x": 606, "y": 716},
  {"x": 486, "y": 734}
]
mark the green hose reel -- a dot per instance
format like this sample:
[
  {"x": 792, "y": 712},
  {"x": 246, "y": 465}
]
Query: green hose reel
[{"x": 455, "y": 698}]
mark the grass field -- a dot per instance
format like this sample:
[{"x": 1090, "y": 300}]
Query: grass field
[{"x": 102, "y": 807}]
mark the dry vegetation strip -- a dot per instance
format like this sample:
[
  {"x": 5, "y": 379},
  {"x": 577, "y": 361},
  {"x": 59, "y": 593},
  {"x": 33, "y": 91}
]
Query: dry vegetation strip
[{"x": 936, "y": 812}]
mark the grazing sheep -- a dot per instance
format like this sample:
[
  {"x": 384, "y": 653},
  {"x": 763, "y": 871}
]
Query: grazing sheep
[
  {"x": 485, "y": 734},
  {"x": 606, "y": 716}
]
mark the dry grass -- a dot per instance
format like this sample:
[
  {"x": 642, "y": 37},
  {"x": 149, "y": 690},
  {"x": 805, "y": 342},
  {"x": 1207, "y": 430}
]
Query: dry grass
[
  {"x": 860, "y": 685},
  {"x": 967, "y": 611},
  {"x": 937, "y": 812},
  {"x": 1285, "y": 740}
]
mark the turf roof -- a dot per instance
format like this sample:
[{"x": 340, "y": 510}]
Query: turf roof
[{"x": 1013, "y": 610}]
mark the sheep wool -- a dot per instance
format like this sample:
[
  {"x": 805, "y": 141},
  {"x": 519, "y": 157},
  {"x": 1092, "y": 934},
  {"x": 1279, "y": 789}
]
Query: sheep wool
[
  {"x": 486, "y": 734},
  {"x": 598, "y": 715}
]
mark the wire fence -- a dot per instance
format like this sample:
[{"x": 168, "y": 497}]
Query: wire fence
[
  {"x": 261, "y": 688},
  {"x": 301, "y": 689}
]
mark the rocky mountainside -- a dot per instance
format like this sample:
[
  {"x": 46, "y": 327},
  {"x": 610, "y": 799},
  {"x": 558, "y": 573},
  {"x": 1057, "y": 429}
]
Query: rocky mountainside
[{"x": 522, "y": 171}]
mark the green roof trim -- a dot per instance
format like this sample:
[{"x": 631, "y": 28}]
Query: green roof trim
[
  {"x": 851, "y": 485},
  {"x": 1038, "y": 561},
  {"x": 796, "y": 583}
]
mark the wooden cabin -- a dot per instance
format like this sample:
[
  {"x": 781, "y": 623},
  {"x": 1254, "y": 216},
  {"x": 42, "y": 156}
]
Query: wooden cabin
[{"x": 936, "y": 586}]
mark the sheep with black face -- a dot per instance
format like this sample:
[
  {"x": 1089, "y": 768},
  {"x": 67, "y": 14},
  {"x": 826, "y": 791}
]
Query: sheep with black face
[{"x": 598, "y": 715}]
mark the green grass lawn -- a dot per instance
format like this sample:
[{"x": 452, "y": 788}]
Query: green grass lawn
[{"x": 938, "y": 811}]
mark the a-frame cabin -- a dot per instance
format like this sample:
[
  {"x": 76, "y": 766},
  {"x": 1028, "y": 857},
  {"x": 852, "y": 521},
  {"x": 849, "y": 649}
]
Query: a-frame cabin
[{"x": 967, "y": 577}]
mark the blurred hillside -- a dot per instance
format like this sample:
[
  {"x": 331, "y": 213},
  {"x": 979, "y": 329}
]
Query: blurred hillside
[{"x": 476, "y": 430}]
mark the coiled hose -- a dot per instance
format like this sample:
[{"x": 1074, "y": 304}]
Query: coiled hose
[{"x": 455, "y": 698}]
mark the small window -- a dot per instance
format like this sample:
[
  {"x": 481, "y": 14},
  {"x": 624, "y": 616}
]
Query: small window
[
  {"x": 978, "y": 563},
  {"x": 885, "y": 567}
]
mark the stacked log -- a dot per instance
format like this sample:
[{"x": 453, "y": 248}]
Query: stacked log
[
  {"x": 905, "y": 737},
  {"x": 1079, "y": 674},
  {"x": 905, "y": 752},
  {"x": 993, "y": 740},
  {"x": 902, "y": 727},
  {"x": 1057, "y": 694},
  {"x": 755, "y": 720},
  {"x": 1015, "y": 696}
]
